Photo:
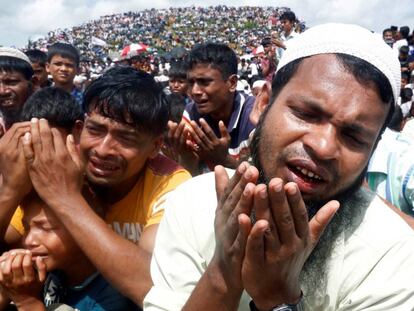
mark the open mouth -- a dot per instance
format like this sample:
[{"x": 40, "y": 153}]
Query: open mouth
[
  {"x": 102, "y": 168},
  {"x": 306, "y": 174}
]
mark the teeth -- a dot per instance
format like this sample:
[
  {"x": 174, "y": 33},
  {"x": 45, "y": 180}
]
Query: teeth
[{"x": 310, "y": 174}]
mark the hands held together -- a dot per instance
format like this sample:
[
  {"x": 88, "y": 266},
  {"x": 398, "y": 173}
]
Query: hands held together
[{"x": 264, "y": 257}]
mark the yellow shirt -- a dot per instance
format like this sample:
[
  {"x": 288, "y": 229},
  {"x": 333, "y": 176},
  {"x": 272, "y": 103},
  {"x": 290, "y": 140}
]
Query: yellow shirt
[{"x": 143, "y": 205}]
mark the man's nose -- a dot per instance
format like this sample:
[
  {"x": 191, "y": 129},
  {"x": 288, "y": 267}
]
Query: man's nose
[
  {"x": 323, "y": 142},
  {"x": 106, "y": 146}
]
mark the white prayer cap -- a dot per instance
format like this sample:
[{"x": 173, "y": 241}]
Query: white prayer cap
[
  {"x": 258, "y": 83},
  {"x": 346, "y": 39},
  {"x": 10, "y": 52}
]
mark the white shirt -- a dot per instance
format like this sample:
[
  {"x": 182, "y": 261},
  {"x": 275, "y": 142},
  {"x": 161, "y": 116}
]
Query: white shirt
[{"x": 371, "y": 268}]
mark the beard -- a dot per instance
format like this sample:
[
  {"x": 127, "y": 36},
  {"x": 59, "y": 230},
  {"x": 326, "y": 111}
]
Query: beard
[
  {"x": 11, "y": 116},
  {"x": 314, "y": 275}
]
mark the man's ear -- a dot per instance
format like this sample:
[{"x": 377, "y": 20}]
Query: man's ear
[
  {"x": 261, "y": 102},
  {"x": 157, "y": 144},
  {"x": 232, "y": 81},
  {"x": 77, "y": 130}
]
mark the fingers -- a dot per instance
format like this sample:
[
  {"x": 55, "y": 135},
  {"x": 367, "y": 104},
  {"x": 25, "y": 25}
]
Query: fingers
[
  {"x": 298, "y": 209},
  {"x": 27, "y": 148},
  {"x": 35, "y": 136},
  {"x": 223, "y": 131},
  {"x": 41, "y": 269},
  {"x": 73, "y": 152},
  {"x": 243, "y": 232},
  {"x": 200, "y": 138},
  {"x": 322, "y": 218},
  {"x": 255, "y": 246},
  {"x": 222, "y": 179},
  {"x": 209, "y": 133},
  {"x": 12, "y": 136},
  {"x": 281, "y": 212},
  {"x": 46, "y": 136},
  {"x": 27, "y": 265}
]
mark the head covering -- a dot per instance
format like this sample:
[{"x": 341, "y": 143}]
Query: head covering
[
  {"x": 346, "y": 39},
  {"x": 10, "y": 52}
]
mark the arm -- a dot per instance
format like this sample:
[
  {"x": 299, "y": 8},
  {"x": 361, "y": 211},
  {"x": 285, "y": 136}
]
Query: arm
[
  {"x": 56, "y": 174},
  {"x": 15, "y": 180},
  {"x": 181, "y": 278}
]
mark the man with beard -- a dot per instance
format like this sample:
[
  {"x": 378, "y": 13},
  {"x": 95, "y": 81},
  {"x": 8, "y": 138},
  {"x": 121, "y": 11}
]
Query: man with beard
[
  {"x": 296, "y": 230},
  {"x": 16, "y": 83}
]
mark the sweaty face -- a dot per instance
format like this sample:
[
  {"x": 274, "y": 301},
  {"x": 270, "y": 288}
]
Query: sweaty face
[
  {"x": 114, "y": 153},
  {"x": 210, "y": 92},
  {"x": 62, "y": 69},
  {"x": 321, "y": 129},
  {"x": 45, "y": 236},
  {"x": 14, "y": 90},
  {"x": 178, "y": 85}
]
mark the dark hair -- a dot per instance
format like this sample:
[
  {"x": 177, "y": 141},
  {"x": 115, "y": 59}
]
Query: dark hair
[
  {"x": 9, "y": 64},
  {"x": 266, "y": 41},
  {"x": 288, "y": 15},
  {"x": 37, "y": 56},
  {"x": 386, "y": 30},
  {"x": 404, "y": 49},
  {"x": 405, "y": 75},
  {"x": 177, "y": 104},
  {"x": 218, "y": 55},
  {"x": 406, "y": 94},
  {"x": 396, "y": 120},
  {"x": 55, "y": 105},
  {"x": 178, "y": 69},
  {"x": 65, "y": 50},
  {"x": 128, "y": 96},
  {"x": 404, "y": 31}
]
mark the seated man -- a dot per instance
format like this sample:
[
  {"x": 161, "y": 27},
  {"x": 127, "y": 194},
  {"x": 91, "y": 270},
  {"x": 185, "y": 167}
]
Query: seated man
[
  {"x": 218, "y": 118},
  {"x": 126, "y": 115},
  {"x": 296, "y": 230}
]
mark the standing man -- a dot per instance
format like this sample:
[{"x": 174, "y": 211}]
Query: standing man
[
  {"x": 218, "y": 118},
  {"x": 16, "y": 85},
  {"x": 288, "y": 20},
  {"x": 295, "y": 230}
]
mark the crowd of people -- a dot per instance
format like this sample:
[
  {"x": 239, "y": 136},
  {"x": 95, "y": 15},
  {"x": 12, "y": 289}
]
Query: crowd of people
[
  {"x": 222, "y": 180},
  {"x": 242, "y": 28}
]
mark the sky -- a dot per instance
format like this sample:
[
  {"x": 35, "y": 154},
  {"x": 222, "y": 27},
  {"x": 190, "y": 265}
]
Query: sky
[{"x": 24, "y": 19}]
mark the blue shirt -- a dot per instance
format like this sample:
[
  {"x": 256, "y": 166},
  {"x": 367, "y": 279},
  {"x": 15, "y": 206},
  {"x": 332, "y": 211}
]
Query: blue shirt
[{"x": 94, "y": 294}]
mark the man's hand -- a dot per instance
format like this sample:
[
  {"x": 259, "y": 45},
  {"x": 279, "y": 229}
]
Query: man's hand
[
  {"x": 232, "y": 223},
  {"x": 210, "y": 147},
  {"x": 55, "y": 168},
  {"x": 280, "y": 242},
  {"x": 181, "y": 147},
  {"x": 12, "y": 161},
  {"x": 21, "y": 281}
]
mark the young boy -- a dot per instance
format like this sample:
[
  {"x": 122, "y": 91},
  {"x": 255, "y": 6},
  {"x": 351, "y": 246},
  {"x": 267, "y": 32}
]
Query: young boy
[
  {"x": 178, "y": 83},
  {"x": 63, "y": 65},
  {"x": 49, "y": 248}
]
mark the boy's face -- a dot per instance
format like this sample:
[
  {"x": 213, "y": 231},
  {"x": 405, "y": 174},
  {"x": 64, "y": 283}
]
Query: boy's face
[
  {"x": 62, "y": 69},
  {"x": 47, "y": 237},
  {"x": 40, "y": 73},
  {"x": 178, "y": 85}
]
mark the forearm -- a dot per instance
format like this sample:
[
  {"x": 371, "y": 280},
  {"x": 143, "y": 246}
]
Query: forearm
[
  {"x": 212, "y": 293},
  {"x": 9, "y": 200},
  {"x": 124, "y": 264}
]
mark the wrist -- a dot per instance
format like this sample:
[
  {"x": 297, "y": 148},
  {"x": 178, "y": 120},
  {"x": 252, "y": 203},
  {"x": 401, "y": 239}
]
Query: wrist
[
  {"x": 65, "y": 203},
  {"x": 29, "y": 303},
  {"x": 270, "y": 303},
  {"x": 223, "y": 283},
  {"x": 297, "y": 306}
]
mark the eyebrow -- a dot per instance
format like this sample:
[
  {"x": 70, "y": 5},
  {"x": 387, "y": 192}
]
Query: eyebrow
[{"x": 120, "y": 131}]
